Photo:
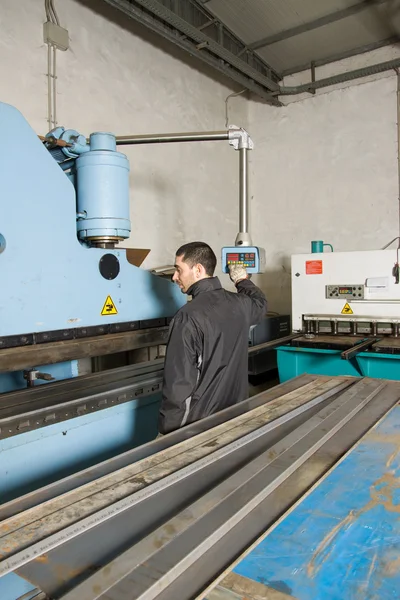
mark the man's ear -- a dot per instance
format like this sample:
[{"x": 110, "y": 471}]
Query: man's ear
[{"x": 200, "y": 270}]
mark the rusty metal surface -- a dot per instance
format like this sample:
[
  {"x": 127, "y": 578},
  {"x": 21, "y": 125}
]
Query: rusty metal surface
[
  {"x": 122, "y": 460},
  {"x": 38, "y": 523},
  {"x": 272, "y": 344},
  {"x": 181, "y": 527},
  {"x": 350, "y": 340},
  {"x": 176, "y": 559},
  {"x": 236, "y": 587},
  {"x": 343, "y": 540},
  {"x": 388, "y": 342},
  {"x": 15, "y": 359}
]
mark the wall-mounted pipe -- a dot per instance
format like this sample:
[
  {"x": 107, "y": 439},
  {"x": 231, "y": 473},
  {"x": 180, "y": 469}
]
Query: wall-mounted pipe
[
  {"x": 50, "y": 119},
  {"x": 341, "y": 78},
  {"x": 168, "y": 138},
  {"x": 398, "y": 149},
  {"x": 238, "y": 138},
  {"x": 243, "y": 190},
  {"x": 243, "y": 238}
]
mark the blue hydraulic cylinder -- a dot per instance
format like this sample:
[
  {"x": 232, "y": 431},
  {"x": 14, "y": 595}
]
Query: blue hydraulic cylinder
[{"x": 102, "y": 180}]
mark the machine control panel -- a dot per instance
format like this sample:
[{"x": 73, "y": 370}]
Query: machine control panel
[
  {"x": 345, "y": 292},
  {"x": 247, "y": 259},
  {"x": 250, "y": 257}
]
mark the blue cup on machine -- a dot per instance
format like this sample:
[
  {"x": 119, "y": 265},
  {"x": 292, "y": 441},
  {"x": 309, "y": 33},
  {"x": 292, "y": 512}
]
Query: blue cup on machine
[{"x": 318, "y": 247}]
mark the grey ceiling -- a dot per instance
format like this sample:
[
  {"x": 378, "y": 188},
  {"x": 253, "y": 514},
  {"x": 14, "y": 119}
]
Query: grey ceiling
[
  {"x": 326, "y": 29},
  {"x": 256, "y": 42}
]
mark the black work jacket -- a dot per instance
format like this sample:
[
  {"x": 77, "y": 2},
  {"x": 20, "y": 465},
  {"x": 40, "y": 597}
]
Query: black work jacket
[{"x": 206, "y": 364}]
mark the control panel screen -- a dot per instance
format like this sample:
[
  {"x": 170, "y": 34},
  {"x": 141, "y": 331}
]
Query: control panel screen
[
  {"x": 247, "y": 259},
  {"x": 345, "y": 291}
]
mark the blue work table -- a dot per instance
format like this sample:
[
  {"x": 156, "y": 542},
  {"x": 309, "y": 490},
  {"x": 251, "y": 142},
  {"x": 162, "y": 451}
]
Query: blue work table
[{"x": 342, "y": 540}]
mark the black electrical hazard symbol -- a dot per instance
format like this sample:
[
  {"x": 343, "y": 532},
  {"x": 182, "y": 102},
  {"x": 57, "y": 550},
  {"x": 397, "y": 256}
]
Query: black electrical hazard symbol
[
  {"x": 109, "y": 307},
  {"x": 347, "y": 309}
]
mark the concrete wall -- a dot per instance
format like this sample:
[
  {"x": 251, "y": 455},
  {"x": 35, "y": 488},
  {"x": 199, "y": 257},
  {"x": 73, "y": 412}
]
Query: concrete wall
[
  {"x": 324, "y": 167},
  {"x": 118, "y": 77}
]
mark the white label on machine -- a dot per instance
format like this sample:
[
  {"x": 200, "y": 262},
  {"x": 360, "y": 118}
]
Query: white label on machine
[{"x": 377, "y": 282}]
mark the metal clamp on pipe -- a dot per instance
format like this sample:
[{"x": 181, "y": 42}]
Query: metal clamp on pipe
[{"x": 240, "y": 139}]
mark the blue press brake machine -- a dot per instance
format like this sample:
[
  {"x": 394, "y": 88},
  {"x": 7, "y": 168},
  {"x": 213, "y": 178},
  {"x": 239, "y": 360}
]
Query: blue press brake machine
[{"x": 64, "y": 282}]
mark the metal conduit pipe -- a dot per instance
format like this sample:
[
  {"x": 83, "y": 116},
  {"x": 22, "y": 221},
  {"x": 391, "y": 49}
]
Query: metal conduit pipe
[
  {"x": 165, "y": 138},
  {"x": 343, "y": 77},
  {"x": 243, "y": 191},
  {"x": 238, "y": 138}
]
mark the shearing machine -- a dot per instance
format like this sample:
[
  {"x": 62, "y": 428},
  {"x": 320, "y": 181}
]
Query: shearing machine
[
  {"x": 345, "y": 314},
  {"x": 290, "y": 494}
]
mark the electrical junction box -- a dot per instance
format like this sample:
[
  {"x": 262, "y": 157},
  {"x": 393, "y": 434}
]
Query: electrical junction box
[
  {"x": 56, "y": 36},
  {"x": 251, "y": 258}
]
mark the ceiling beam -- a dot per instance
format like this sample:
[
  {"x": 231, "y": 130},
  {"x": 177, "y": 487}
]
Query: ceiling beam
[
  {"x": 175, "y": 20},
  {"x": 343, "y": 55},
  {"x": 316, "y": 24},
  {"x": 260, "y": 78}
]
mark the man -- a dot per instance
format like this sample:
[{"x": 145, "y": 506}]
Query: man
[{"x": 207, "y": 354}]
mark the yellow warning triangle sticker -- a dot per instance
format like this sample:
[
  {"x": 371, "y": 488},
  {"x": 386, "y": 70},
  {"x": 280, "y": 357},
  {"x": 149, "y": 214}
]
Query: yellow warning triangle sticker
[
  {"x": 109, "y": 307},
  {"x": 347, "y": 309}
]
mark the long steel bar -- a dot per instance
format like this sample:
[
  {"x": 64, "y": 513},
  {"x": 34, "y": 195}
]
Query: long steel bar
[
  {"x": 364, "y": 345},
  {"x": 119, "y": 462},
  {"x": 229, "y": 439},
  {"x": 211, "y": 519},
  {"x": 146, "y": 515},
  {"x": 266, "y": 346},
  {"x": 258, "y": 520},
  {"x": 162, "y": 557}
]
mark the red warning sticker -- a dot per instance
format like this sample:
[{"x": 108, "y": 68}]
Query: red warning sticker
[{"x": 314, "y": 267}]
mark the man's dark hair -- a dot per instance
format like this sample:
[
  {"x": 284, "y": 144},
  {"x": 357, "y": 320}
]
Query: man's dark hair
[{"x": 198, "y": 253}]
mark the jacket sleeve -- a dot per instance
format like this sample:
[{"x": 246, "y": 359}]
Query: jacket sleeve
[
  {"x": 180, "y": 374},
  {"x": 254, "y": 300}
]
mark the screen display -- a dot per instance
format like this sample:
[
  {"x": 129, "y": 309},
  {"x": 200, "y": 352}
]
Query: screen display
[
  {"x": 345, "y": 290},
  {"x": 247, "y": 259}
]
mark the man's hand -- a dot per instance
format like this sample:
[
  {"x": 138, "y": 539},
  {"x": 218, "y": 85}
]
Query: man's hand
[{"x": 237, "y": 273}]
